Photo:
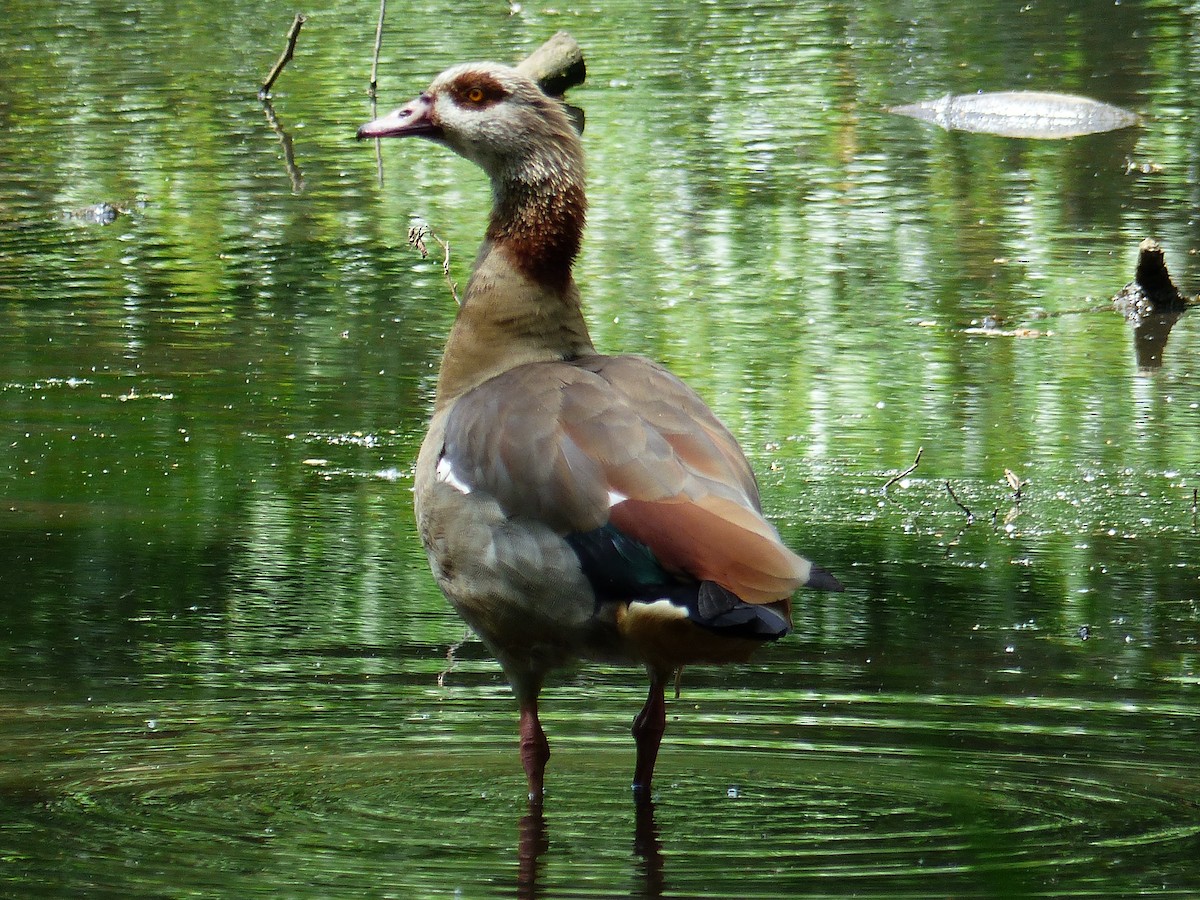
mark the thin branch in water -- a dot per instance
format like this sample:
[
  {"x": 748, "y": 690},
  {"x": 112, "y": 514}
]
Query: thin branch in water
[
  {"x": 445, "y": 245},
  {"x": 959, "y": 503},
  {"x": 451, "y": 661},
  {"x": 916, "y": 462},
  {"x": 416, "y": 240},
  {"x": 375, "y": 58},
  {"x": 372, "y": 88},
  {"x": 378, "y": 145},
  {"x": 294, "y": 32}
]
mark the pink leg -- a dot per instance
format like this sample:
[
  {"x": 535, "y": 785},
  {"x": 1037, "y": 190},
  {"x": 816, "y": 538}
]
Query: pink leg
[
  {"x": 535, "y": 749},
  {"x": 648, "y": 728}
]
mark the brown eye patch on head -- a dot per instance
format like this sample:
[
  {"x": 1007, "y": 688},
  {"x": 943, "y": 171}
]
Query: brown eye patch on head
[{"x": 477, "y": 89}]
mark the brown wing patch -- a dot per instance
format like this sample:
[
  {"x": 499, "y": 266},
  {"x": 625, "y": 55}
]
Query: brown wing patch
[{"x": 722, "y": 545}]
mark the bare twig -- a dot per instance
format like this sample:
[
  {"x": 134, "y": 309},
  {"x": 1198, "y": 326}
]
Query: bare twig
[
  {"x": 959, "y": 504},
  {"x": 416, "y": 240},
  {"x": 372, "y": 88},
  {"x": 294, "y": 32},
  {"x": 445, "y": 245},
  {"x": 378, "y": 45},
  {"x": 916, "y": 462},
  {"x": 378, "y": 148}
]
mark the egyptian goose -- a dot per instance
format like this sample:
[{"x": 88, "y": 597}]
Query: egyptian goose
[{"x": 575, "y": 505}]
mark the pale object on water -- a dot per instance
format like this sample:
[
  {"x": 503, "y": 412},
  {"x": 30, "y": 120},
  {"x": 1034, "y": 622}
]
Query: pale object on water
[{"x": 1024, "y": 114}]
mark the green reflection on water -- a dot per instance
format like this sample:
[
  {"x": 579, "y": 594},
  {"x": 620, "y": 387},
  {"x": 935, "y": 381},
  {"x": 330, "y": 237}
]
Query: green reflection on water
[{"x": 225, "y": 666}]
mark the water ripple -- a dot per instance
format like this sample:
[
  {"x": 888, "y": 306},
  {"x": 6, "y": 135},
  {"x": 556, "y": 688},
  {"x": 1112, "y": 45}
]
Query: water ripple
[{"x": 423, "y": 795}]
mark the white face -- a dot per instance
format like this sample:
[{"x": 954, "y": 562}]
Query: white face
[
  {"x": 500, "y": 120},
  {"x": 495, "y": 117}
]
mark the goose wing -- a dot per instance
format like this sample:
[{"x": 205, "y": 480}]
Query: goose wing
[{"x": 618, "y": 449}]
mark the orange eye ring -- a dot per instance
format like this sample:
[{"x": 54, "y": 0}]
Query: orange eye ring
[{"x": 475, "y": 95}]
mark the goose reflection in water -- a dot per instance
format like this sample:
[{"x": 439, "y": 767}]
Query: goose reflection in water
[{"x": 534, "y": 842}]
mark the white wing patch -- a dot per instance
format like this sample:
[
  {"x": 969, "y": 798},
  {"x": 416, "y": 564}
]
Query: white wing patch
[
  {"x": 446, "y": 474},
  {"x": 659, "y": 609}
]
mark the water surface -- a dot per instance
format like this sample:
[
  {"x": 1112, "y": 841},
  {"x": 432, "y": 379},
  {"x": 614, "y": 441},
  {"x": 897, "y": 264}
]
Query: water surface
[{"x": 225, "y": 668}]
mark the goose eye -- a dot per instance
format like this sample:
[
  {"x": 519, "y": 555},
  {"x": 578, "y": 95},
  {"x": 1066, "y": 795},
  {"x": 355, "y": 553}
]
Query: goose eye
[{"x": 476, "y": 90}]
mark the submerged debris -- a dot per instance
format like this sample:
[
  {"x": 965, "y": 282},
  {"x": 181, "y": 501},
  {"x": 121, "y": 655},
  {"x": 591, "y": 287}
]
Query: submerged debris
[
  {"x": 994, "y": 330},
  {"x": 1152, "y": 291},
  {"x": 1151, "y": 304},
  {"x": 1025, "y": 114},
  {"x": 103, "y": 213}
]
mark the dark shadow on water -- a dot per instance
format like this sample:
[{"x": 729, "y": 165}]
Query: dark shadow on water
[{"x": 534, "y": 842}]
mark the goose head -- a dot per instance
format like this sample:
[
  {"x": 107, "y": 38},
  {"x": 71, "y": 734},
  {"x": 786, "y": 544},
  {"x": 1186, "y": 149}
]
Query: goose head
[
  {"x": 493, "y": 116},
  {"x": 500, "y": 120}
]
